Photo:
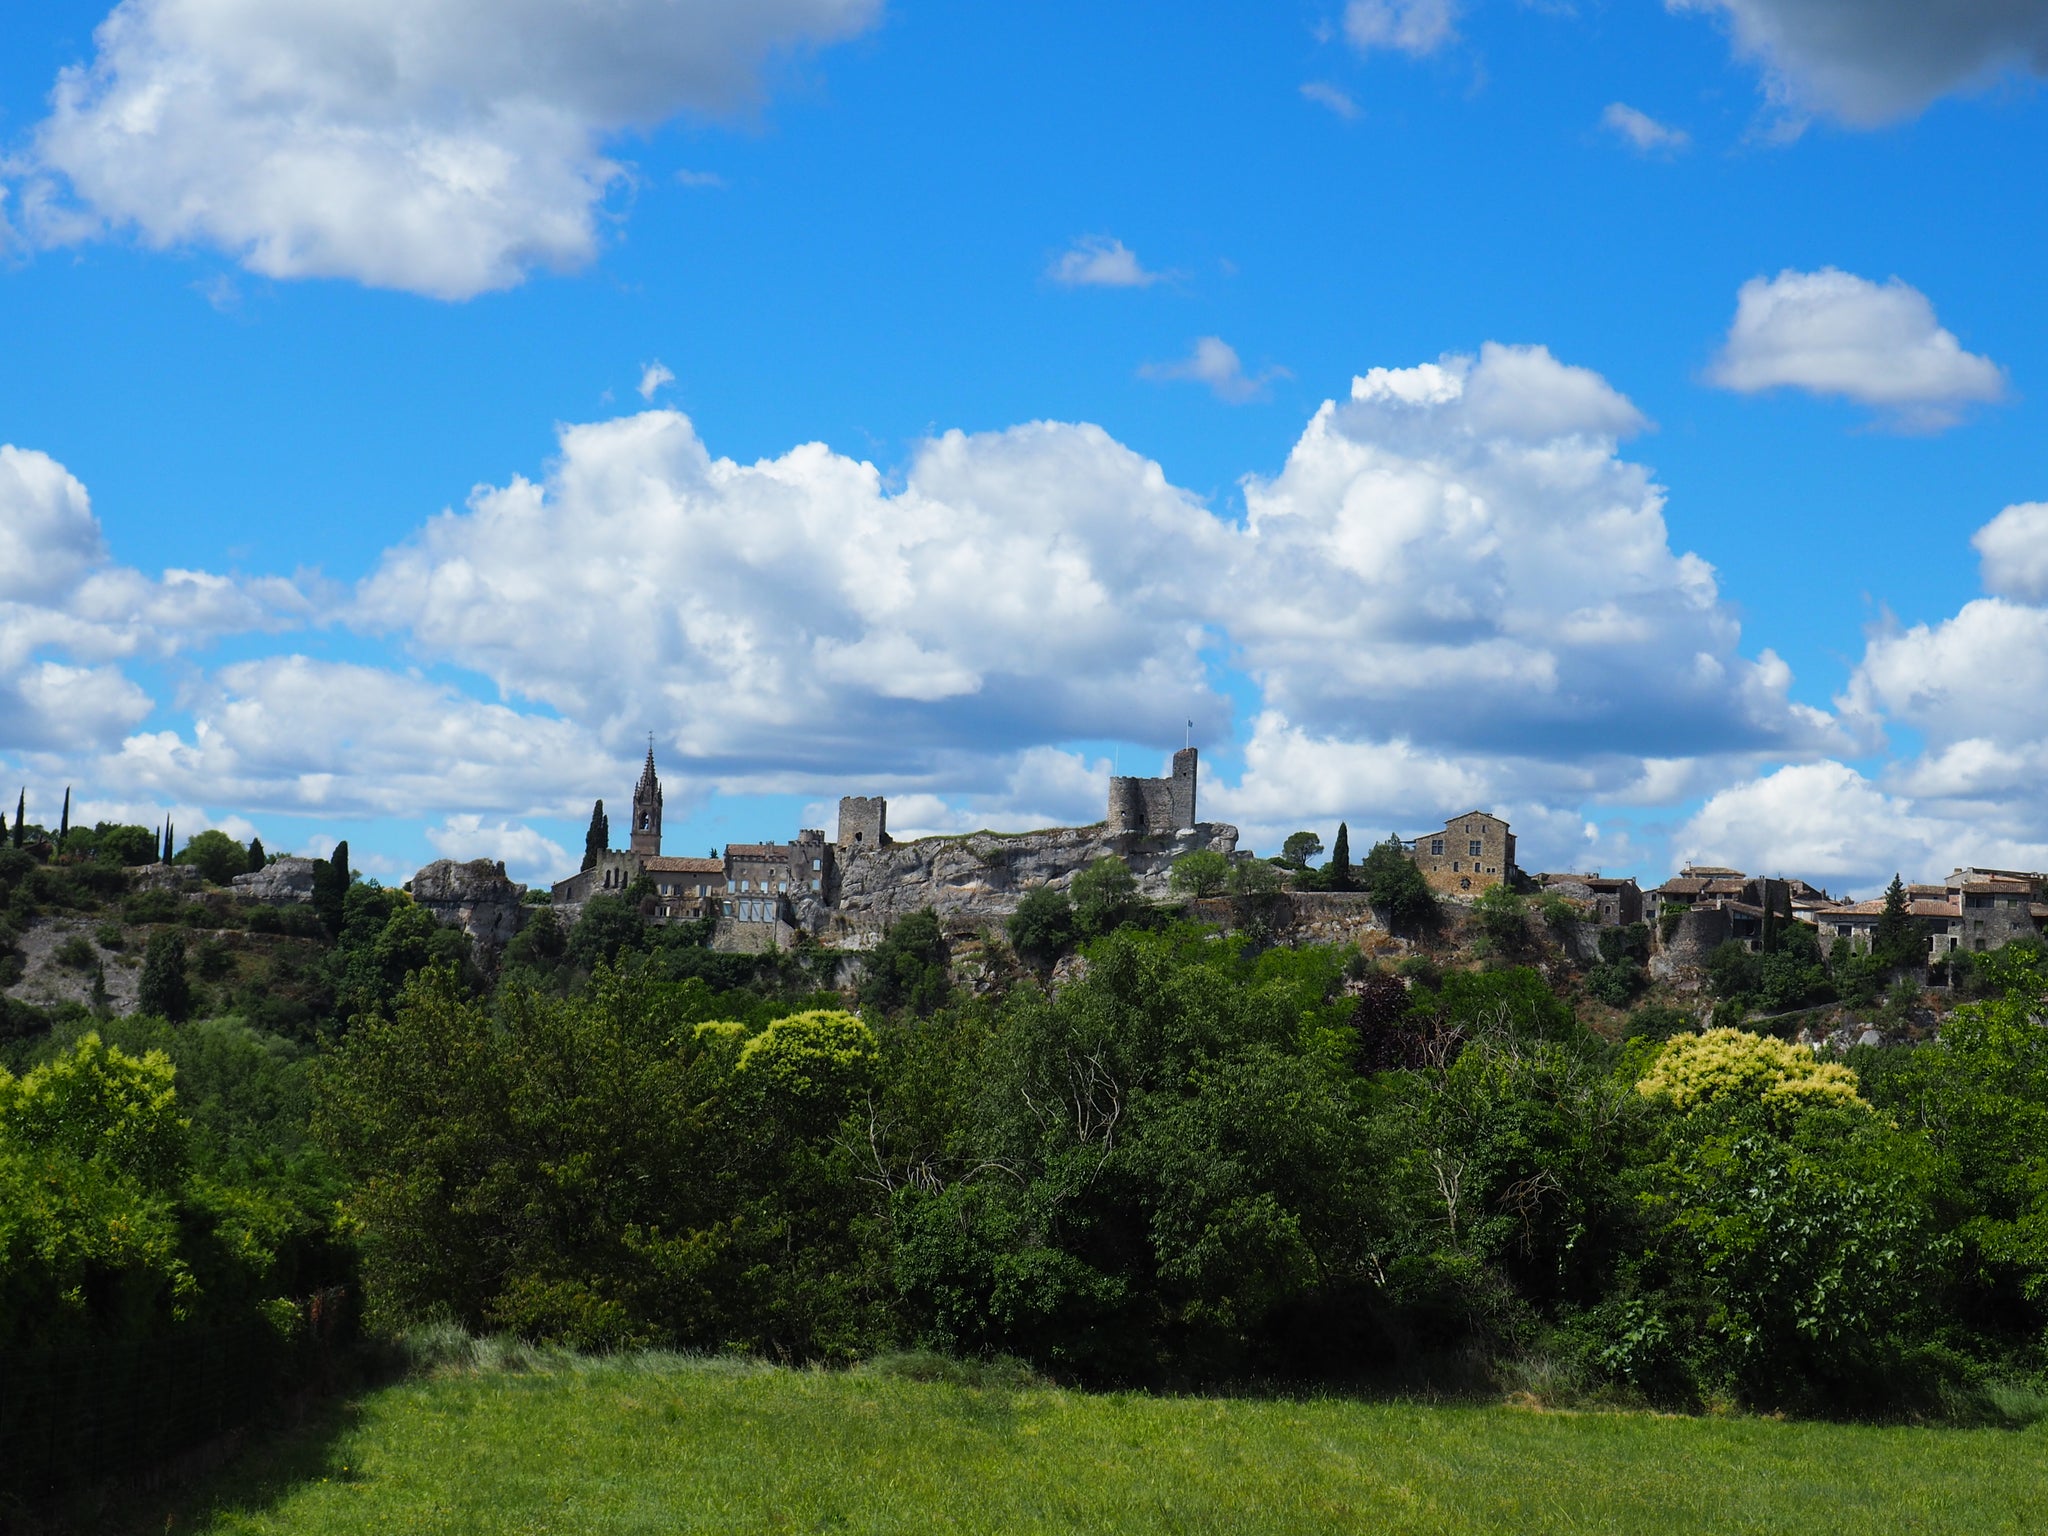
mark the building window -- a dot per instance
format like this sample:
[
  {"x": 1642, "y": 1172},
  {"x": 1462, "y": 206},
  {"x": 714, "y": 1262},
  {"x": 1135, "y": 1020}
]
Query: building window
[
  {"x": 1436, "y": 846},
  {"x": 1454, "y": 866},
  {"x": 817, "y": 863},
  {"x": 1472, "y": 848},
  {"x": 1464, "y": 885}
]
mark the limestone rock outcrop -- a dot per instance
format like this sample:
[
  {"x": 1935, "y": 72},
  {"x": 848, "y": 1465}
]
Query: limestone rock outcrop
[
  {"x": 282, "y": 882},
  {"x": 978, "y": 879},
  {"x": 476, "y": 897}
]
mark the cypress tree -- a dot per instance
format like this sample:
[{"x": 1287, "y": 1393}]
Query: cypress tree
[
  {"x": 1892, "y": 943},
  {"x": 330, "y": 887},
  {"x": 165, "y": 991},
  {"x": 1339, "y": 871},
  {"x": 170, "y": 838},
  {"x": 257, "y": 857},
  {"x": 64, "y": 821},
  {"x": 599, "y": 837},
  {"x": 20, "y": 815}
]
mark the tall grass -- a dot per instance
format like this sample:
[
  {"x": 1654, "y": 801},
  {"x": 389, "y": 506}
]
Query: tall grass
[{"x": 489, "y": 1436}]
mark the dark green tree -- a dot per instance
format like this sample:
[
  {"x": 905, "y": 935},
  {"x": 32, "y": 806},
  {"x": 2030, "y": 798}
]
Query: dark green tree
[
  {"x": 165, "y": 991},
  {"x": 1299, "y": 848},
  {"x": 1043, "y": 925},
  {"x": 20, "y": 815},
  {"x": 216, "y": 856},
  {"x": 170, "y": 840},
  {"x": 599, "y": 836},
  {"x": 257, "y": 857},
  {"x": 910, "y": 969},
  {"x": 1105, "y": 897},
  {"x": 1338, "y": 874},
  {"x": 1894, "y": 943},
  {"x": 330, "y": 888},
  {"x": 1205, "y": 872},
  {"x": 64, "y": 821},
  {"x": 1395, "y": 885}
]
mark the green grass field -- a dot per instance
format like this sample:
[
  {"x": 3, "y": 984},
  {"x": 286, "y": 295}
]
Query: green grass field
[{"x": 659, "y": 1444}]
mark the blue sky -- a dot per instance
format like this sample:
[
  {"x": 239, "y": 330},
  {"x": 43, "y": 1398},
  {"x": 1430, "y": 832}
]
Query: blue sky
[{"x": 276, "y": 293}]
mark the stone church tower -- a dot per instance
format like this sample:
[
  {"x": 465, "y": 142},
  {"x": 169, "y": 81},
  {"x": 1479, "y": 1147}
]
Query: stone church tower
[{"x": 646, "y": 840}]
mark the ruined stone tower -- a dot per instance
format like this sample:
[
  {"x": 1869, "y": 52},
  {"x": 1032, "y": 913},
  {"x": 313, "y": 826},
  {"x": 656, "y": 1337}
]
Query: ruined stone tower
[
  {"x": 1159, "y": 807},
  {"x": 863, "y": 822},
  {"x": 646, "y": 841},
  {"x": 1184, "y": 762}
]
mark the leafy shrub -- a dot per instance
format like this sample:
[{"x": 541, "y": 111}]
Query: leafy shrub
[
  {"x": 76, "y": 953},
  {"x": 218, "y": 857},
  {"x": 1204, "y": 872},
  {"x": 1043, "y": 925},
  {"x": 1105, "y": 897},
  {"x": 1727, "y": 1064},
  {"x": 910, "y": 969}
]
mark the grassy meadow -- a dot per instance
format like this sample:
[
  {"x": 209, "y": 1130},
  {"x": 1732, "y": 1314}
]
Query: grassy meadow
[{"x": 656, "y": 1443}]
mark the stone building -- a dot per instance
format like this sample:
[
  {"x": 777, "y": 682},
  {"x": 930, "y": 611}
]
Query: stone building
[
  {"x": 1972, "y": 911},
  {"x": 771, "y": 882},
  {"x": 685, "y": 889},
  {"x": 1613, "y": 902},
  {"x": 1472, "y": 852},
  {"x": 1159, "y": 807}
]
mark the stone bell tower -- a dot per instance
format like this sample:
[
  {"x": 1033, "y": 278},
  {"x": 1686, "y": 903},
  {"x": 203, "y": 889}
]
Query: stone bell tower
[{"x": 646, "y": 840}]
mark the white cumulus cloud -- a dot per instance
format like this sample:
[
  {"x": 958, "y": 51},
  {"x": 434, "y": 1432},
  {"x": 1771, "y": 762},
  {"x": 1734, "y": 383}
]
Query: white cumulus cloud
[
  {"x": 446, "y": 147},
  {"x": 1324, "y": 94},
  {"x": 652, "y": 377},
  {"x": 1642, "y": 131},
  {"x": 1097, "y": 261},
  {"x": 1867, "y": 62},
  {"x": 69, "y": 616},
  {"x": 526, "y": 854},
  {"x": 2013, "y": 551},
  {"x": 794, "y": 616},
  {"x": 1415, "y": 27},
  {"x": 1833, "y": 333},
  {"x": 1214, "y": 362}
]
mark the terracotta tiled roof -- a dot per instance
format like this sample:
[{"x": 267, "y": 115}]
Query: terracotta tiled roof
[
  {"x": 662, "y": 865},
  {"x": 1996, "y": 888}
]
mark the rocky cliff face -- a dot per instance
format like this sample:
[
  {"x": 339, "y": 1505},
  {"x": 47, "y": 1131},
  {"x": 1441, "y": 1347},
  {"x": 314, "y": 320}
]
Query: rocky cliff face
[
  {"x": 280, "y": 883},
  {"x": 976, "y": 880},
  {"x": 475, "y": 897}
]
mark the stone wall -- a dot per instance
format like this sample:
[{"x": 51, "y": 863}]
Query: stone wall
[
  {"x": 975, "y": 881},
  {"x": 1696, "y": 935}
]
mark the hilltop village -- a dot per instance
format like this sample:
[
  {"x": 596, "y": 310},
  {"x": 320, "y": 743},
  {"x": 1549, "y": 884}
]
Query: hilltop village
[{"x": 844, "y": 891}]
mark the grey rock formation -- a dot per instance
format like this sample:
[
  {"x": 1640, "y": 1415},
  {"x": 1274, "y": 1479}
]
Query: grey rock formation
[
  {"x": 280, "y": 883},
  {"x": 977, "y": 880},
  {"x": 177, "y": 878},
  {"x": 475, "y": 897}
]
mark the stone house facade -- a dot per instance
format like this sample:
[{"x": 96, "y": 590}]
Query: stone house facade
[
  {"x": 1471, "y": 853},
  {"x": 1612, "y": 902}
]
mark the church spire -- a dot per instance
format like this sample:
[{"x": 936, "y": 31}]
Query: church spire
[{"x": 646, "y": 839}]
